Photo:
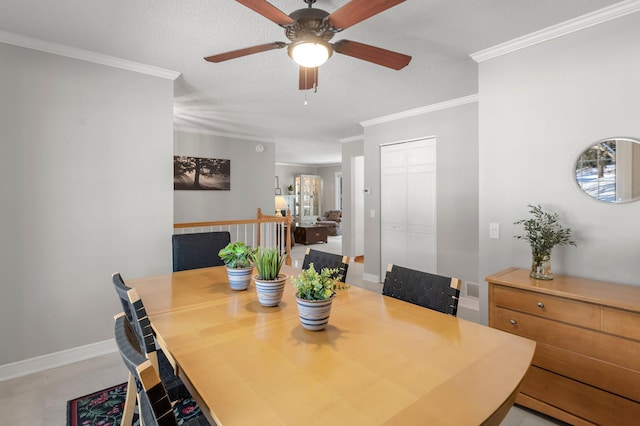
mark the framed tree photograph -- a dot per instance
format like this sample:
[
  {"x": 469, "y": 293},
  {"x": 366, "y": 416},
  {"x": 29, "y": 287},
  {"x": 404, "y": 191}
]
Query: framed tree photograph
[{"x": 195, "y": 173}]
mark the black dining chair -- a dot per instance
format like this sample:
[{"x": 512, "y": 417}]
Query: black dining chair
[
  {"x": 322, "y": 260},
  {"x": 136, "y": 314},
  {"x": 155, "y": 406},
  {"x": 435, "y": 292},
  {"x": 198, "y": 250}
]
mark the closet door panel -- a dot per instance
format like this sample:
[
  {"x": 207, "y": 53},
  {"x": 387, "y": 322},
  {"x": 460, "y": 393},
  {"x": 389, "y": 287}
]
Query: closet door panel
[
  {"x": 394, "y": 238},
  {"x": 394, "y": 207}
]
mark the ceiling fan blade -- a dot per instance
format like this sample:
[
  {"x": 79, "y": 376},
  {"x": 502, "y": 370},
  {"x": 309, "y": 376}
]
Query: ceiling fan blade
[
  {"x": 357, "y": 11},
  {"x": 376, "y": 55},
  {"x": 268, "y": 10},
  {"x": 308, "y": 78},
  {"x": 244, "y": 52}
]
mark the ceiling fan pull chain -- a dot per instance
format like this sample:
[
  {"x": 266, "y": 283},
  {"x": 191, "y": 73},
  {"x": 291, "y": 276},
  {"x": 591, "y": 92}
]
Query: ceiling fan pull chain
[
  {"x": 315, "y": 80},
  {"x": 306, "y": 70}
]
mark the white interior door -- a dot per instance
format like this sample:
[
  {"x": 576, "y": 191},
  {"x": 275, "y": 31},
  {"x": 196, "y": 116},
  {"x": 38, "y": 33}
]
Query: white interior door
[
  {"x": 421, "y": 205},
  {"x": 393, "y": 206},
  {"x": 408, "y": 205}
]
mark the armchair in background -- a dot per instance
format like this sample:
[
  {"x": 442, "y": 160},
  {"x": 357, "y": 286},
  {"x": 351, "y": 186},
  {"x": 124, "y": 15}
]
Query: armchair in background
[{"x": 332, "y": 220}]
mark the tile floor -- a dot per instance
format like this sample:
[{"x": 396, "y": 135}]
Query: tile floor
[{"x": 40, "y": 399}]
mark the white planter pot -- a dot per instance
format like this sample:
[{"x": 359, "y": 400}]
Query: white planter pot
[
  {"x": 314, "y": 314},
  {"x": 270, "y": 292},
  {"x": 239, "y": 278}
]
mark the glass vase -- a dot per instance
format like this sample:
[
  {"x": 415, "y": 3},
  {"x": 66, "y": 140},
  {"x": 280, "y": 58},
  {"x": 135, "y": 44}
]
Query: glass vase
[{"x": 541, "y": 268}]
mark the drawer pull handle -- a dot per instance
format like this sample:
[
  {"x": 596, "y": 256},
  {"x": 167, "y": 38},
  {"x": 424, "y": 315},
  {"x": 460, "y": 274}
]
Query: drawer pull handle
[
  {"x": 513, "y": 322},
  {"x": 540, "y": 305}
]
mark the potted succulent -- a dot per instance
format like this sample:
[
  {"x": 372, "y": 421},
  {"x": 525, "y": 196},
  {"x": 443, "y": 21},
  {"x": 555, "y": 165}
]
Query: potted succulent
[
  {"x": 543, "y": 232},
  {"x": 314, "y": 295},
  {"x": 238, "y": 259},
  {"x": 269, "y": 281},
  {"x": 290, "y": 189}
]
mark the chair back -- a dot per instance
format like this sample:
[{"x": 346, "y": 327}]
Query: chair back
[
  {"x": 198, "y": 250},
  {"x": 322, "y": 260},
  {"x": 154, "y": 403},
  {"x": 431, "y": 291},
  {"x": 136, "y": 314}
]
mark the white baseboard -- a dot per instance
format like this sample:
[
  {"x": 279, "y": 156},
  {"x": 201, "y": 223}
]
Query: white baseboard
[
  {"x": 370, "y": 277},
  {"x": 469, "y": 303},
  {"x": 56, "y": 359}
]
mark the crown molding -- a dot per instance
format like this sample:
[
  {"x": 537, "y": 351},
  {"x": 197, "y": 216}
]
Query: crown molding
[
  {"x": 197, "y": 131},
  {"x": 612, "y": 12},
  {"x": 329, "y": 165},
  {"x": 351, "y": 139},
  {"x": 422, "y": 110},
  {"x": 308, "y": 165},
  {"x": 85, "y": 55}
]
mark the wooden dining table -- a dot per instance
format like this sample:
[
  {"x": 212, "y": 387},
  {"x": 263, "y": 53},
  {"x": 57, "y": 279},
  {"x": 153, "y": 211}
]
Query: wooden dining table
[{"x": 379, "y": 361}]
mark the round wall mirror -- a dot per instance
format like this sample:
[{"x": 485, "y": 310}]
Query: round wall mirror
[{"x": 609, "y": 170}]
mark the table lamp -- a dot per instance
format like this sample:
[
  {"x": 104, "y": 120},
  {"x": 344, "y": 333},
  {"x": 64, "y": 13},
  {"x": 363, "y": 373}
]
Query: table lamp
[{"x": 281, "y": 205}]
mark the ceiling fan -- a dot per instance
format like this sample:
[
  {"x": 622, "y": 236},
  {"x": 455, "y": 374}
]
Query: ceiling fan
[{"x": 310, "y": 30}]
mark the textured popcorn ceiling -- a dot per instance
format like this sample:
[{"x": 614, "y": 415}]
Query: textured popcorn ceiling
[{"x": 257, "y": 95}]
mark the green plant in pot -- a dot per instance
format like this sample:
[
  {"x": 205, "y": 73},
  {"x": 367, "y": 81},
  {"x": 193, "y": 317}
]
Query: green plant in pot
[
  {"x": 314, "y": 296},
  {"x": 543, "y": 232},
  {"x": 269, "y": 281},
  {"x": 290, "y": 189},
  {"x": 238, "y": 258}
]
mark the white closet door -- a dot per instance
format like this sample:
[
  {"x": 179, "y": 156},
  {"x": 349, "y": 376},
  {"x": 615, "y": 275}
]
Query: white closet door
[
  {"x": 393, "y": 208},
  {"x": 408, "y": 205},
  {"x": 421, "y": 205}
]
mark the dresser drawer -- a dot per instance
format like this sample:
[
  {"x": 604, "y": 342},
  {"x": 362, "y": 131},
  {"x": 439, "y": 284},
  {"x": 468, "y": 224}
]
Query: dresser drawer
[
  {"x": 557, "y": 308},
  {"x": 582, "y": 400},
  {"x": 613, "y": 349},
  {"x": 622, "y": 323},
  {"x": 604, "y": 375}
]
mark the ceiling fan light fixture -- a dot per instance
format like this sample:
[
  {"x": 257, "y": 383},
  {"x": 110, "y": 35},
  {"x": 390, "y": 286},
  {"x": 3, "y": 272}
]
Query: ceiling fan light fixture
[{"x": 310, "y": 53}]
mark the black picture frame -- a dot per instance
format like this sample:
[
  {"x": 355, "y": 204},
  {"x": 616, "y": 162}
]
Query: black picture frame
[{"x": 195, "y": 173}]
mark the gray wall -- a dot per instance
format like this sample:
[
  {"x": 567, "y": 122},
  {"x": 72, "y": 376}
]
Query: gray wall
[
  {"x": 86, "y": 184},
  {"x": 456, "y": 130},
  {"x": 349, "y": 150},
  {"x": 539, "y": 108},
  {"x": 252, "y": 179}
]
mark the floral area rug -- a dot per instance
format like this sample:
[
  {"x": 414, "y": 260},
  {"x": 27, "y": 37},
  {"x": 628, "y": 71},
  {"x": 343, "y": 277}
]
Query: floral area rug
[{"x": 104, "y": 408}]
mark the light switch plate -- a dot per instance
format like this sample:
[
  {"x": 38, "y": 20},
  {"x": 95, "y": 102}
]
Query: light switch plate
[{"x": 494, "y": 231}]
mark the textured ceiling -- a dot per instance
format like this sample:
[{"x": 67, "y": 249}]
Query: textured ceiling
[{"x": 257, "y": 96}]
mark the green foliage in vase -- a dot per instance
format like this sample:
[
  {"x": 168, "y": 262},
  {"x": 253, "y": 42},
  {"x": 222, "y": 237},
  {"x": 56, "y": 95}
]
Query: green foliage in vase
[
  {"x": 543, "y": 232},
  {"x": 312, "y": 285},
  {"x": 237, "y": 255},
  {"x": 268, "y": 263}
]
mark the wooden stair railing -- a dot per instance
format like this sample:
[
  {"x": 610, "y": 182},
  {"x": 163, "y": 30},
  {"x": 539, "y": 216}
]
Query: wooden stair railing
[{"x": 264, "y": 231}]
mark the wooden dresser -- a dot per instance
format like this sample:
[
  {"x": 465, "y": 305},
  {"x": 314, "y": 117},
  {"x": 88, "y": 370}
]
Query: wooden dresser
[{"x": 586, "y": 367}]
